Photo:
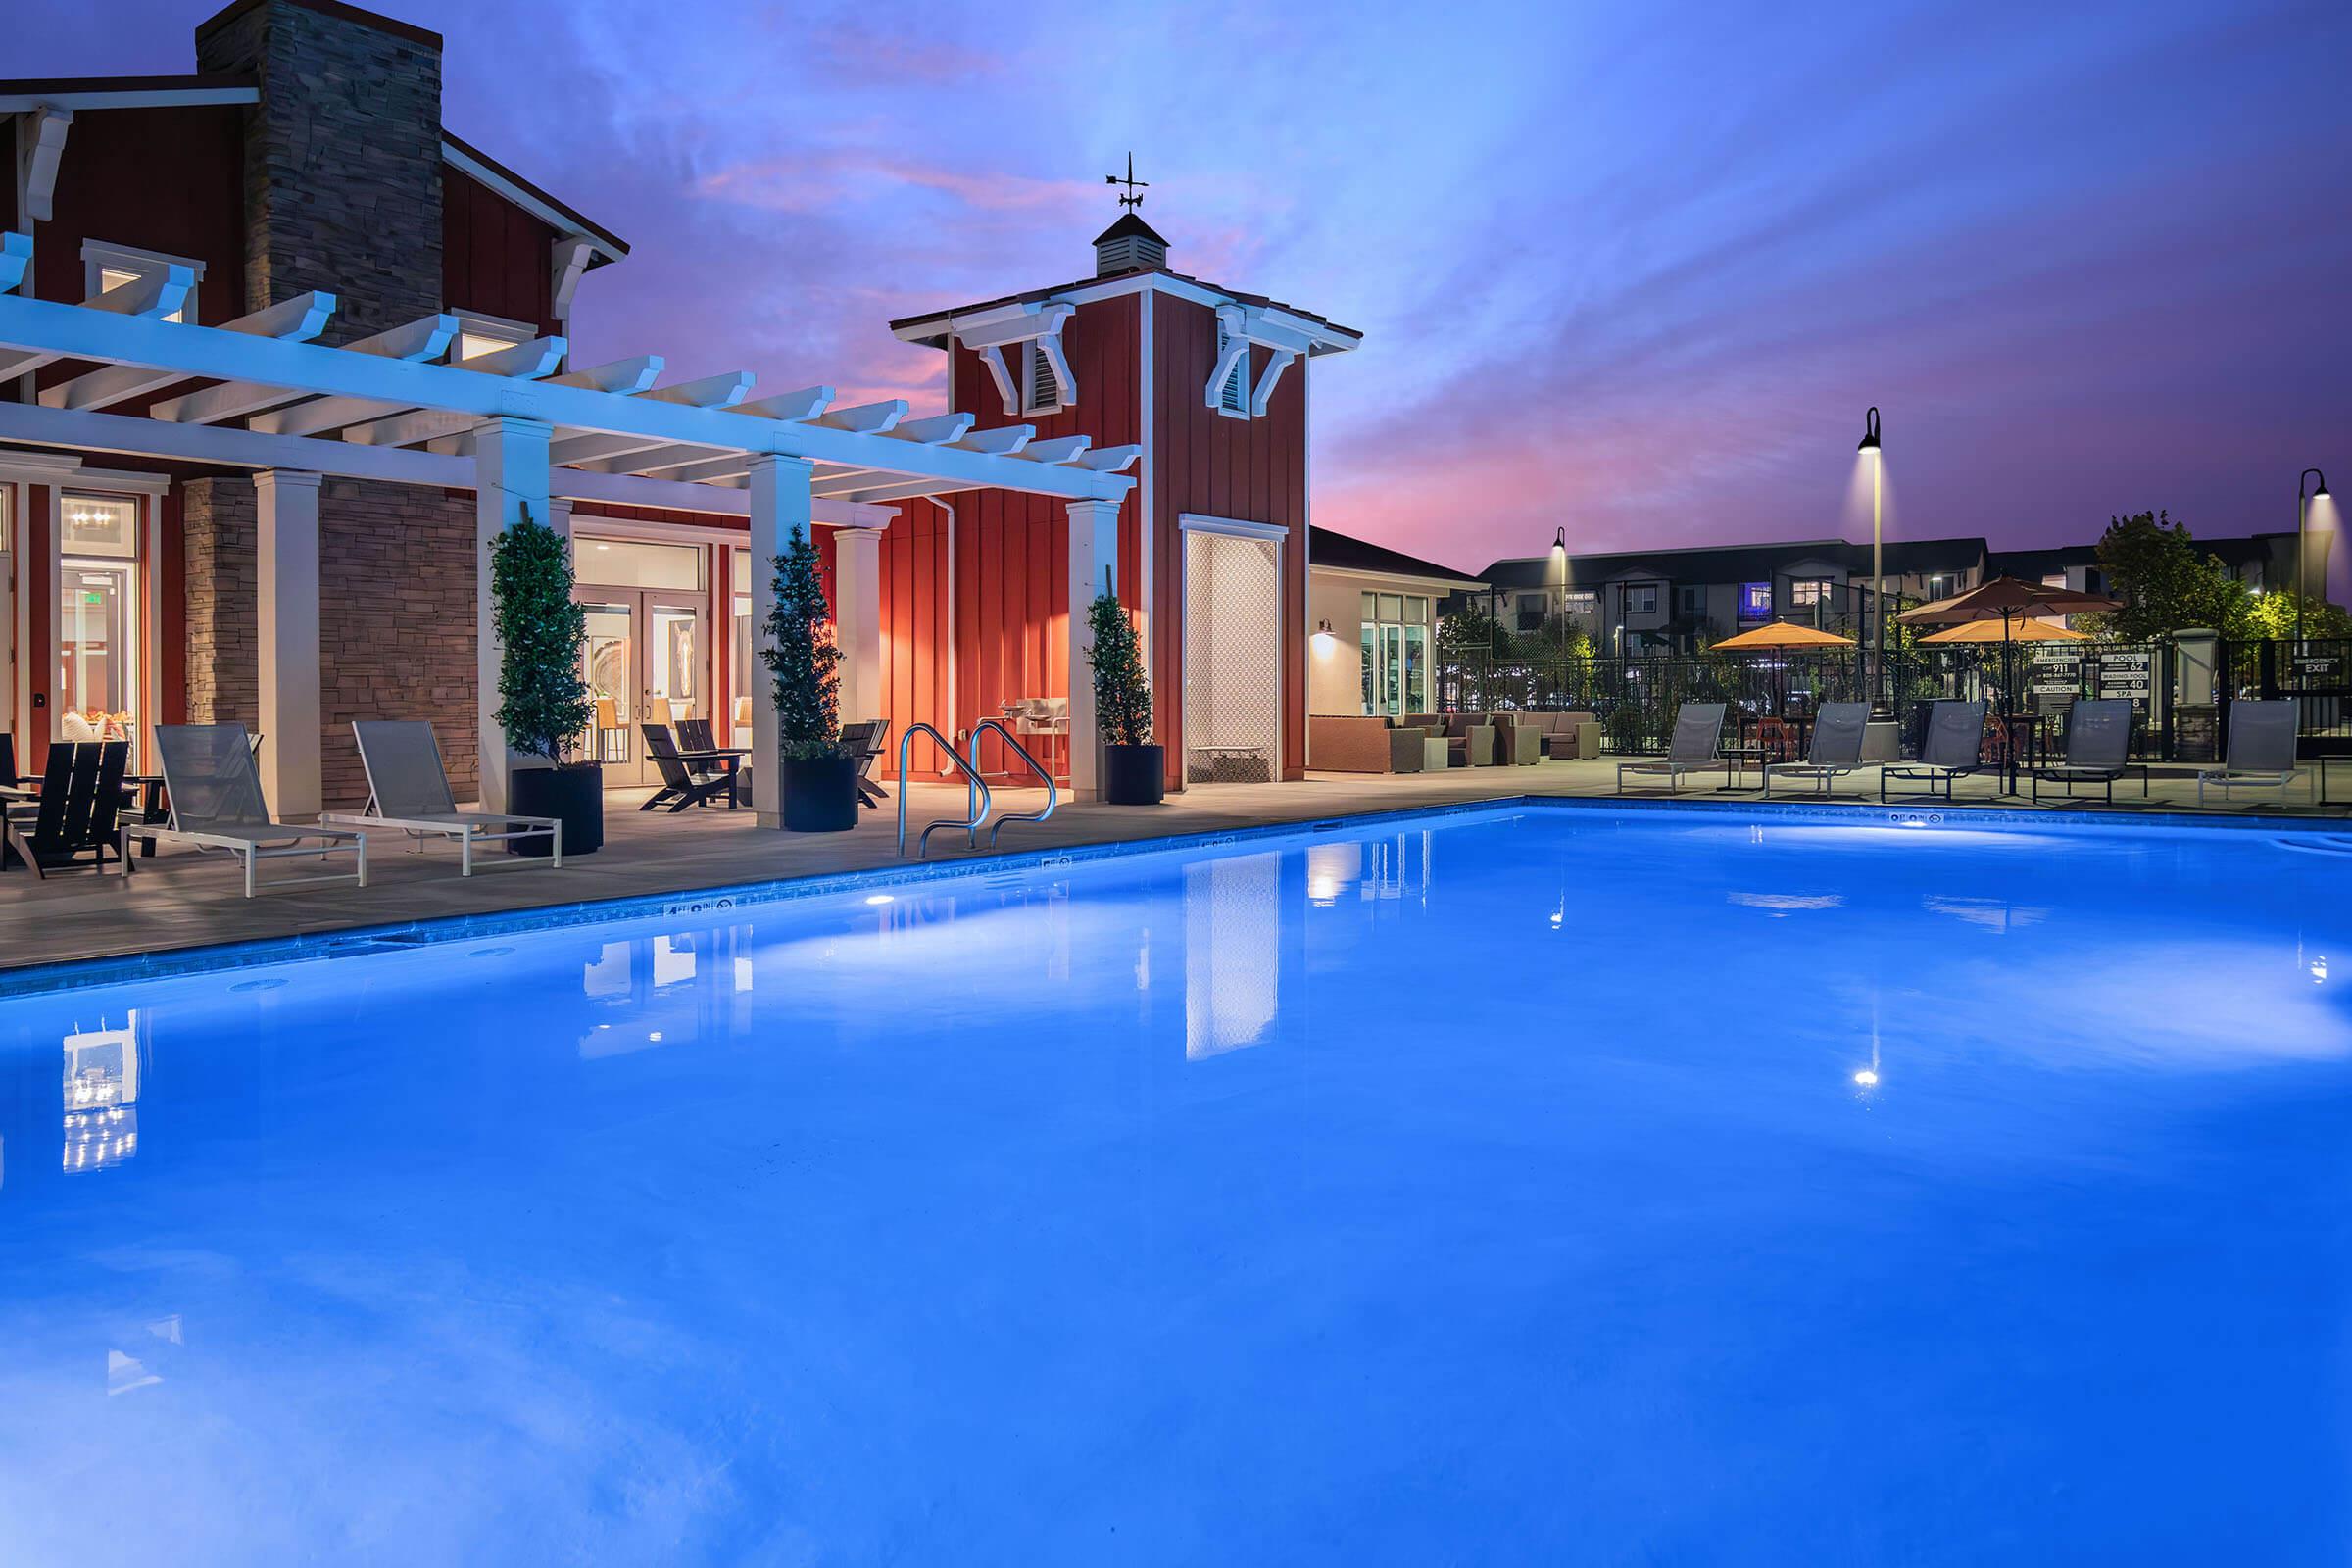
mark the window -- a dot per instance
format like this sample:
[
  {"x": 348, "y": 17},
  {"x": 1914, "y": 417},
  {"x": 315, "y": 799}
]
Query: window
[
  {"x": 106, "y": 266},
  {"x": 641, "y": 563},
  {"x": 1691, "y": 601},
  {"x": 1396, "y": 654},
  {"x": 1640, "y": 600},
  {"x": 1040, "y": 384},
  {"x": 1233, "y": 393},
  {"x": 1810, "y": 593},
  {"x": 479, "y": 334},
  {"x": 1755, "y": 601},
  {"x": 1581, "y": 601},
  {"x": 96, "y": 635},
  {"x": 1530, "y": 609}
]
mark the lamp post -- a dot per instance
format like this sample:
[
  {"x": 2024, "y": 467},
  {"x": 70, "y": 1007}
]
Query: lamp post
[
  {"x": 2302, "y": 522},
  {"x": 1869, "y": 445}
]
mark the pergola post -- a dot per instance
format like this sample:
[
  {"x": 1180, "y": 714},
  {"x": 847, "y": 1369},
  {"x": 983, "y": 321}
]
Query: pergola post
[
  {"x": 286, "y": 612},
  {"x": 509, "y": 479},
  {"x": 780, "y": 508},
  {"x": 1094, "y": 563},
  {"x": 858, "y": 621}
]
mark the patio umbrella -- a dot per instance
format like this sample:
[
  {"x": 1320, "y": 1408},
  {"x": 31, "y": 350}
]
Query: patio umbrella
[
  {"x": 1993, "y": 631},
  {"x": 1780, "y": 635},
  {"x": 2014, "y": 605}
]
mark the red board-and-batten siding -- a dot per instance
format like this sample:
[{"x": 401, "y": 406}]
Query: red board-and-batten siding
[
  {"x": 495, "y": 257},
  {"x": 1011, "y": 579}
]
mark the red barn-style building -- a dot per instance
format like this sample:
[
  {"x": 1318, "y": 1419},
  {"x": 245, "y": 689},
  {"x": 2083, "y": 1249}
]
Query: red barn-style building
[{"x": 279, "y": 355}]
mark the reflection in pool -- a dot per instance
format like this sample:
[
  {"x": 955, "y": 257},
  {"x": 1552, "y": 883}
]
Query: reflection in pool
[{"x": 1563, "y": 1186}]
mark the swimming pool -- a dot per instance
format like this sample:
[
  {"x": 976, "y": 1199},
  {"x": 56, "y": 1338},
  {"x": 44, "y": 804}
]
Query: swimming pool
[{"x": 1560, "y": 1184}]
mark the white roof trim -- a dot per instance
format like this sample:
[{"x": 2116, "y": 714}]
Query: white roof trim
[
  {"x": 1203, "y": 522},
  {"x": 1319, "y": 337},
  {"x": 530, "y": 201},
  {"x": 128, "y": 98}
]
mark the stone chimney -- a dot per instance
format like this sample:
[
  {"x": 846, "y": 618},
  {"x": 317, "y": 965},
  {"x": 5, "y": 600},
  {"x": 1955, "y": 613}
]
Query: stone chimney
[
  {"x": 342, "y": 157},
  {"x": 1129, "y": 245}
]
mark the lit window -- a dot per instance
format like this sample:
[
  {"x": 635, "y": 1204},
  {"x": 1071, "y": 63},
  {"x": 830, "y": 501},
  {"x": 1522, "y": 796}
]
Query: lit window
[
  {"x": 106, "y": 266},
  {"x": 1809, "y": 592},
  {"x": 1578, "y": 602},
  {"x": 1642, "y": 600},
  {"x": 479, "y": 334},
  {"x": 1755, "y": 601}
]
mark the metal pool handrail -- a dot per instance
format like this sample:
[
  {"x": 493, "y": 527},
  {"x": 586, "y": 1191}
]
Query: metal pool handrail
[
  {"x": 1053, "y": 795},
  {"x": 975, "y": 795}
]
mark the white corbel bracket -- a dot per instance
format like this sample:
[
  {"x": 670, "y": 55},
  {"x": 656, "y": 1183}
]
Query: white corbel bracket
[{"x": 991, "y": 332}]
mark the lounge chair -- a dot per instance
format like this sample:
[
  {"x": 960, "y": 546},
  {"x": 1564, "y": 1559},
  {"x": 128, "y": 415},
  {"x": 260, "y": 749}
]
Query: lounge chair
[
  {"x": 1953, "y": 749},
  {"x": 407, "y": 791},
  {"x": 1695, "y": 749},
  {"x": 1836, "y": 748},
  {"x": 679, "y": 786},
  {"x": 216, "y": 803},
  {"x": 81, "y": 791},
  {"x": 2261, "y": 749},
  {"x": 2098, "y": 748}
]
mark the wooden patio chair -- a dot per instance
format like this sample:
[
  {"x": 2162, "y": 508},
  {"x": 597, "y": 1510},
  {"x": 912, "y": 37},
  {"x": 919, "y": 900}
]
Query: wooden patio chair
[
  {"x": 680, "y": 788},
  {"x": 81, "y": 791}
]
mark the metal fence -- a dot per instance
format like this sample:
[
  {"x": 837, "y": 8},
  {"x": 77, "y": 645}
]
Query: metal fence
[{"x": 1636, "y": 699}]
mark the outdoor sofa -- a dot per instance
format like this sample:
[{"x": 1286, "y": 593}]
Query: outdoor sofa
[
  {"x": 1349, "y": 743},
  {"x": 1565, "y": 737},
  {"x": 1470, "y": 738}
]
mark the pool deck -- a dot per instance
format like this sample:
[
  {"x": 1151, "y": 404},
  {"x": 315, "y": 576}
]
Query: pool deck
[{"x": 178, "y": 901}]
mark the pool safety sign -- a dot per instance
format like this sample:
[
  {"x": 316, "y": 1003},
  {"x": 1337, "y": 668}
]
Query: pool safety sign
[
  {"x": 2057, "y": 671},
  {"x": 2125, "y": 675}
]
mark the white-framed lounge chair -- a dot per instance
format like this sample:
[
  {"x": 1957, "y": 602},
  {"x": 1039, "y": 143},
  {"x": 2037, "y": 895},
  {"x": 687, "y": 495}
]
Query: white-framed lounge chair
[
  {"x": 2098, "y": 748},
  {"x": 1695, "y": 749},
  {"x": 1835, "y": 751},
  {"x": 2261, "y": 749},
  {"x": 407, "y": 791},
  {"x": 216, "y": 803},
  {"x": 1953, "y": 750}
]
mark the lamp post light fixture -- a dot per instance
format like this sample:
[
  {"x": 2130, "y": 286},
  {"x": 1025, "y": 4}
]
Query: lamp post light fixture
[
  {"x": 2302, "y": 524},
  {"x": 1869, "y": 446}
]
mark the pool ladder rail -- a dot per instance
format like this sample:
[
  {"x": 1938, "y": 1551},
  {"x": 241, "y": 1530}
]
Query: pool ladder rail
[{"x": 977, "y": 801}]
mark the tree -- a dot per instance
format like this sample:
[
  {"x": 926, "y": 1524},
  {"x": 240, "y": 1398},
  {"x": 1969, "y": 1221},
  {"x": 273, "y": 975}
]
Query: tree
[
  {"x": 2153, "y": 564},
  {"x": 1473, "y": 629},
  {"x": 1122, "y": 691},
  {"x": 2272, "y": 616},
  {"x": 801, "y": 657},
  {"x": 544, "y": 703}
]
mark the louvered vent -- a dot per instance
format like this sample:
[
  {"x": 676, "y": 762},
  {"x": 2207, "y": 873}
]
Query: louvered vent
[
  {"x": 1045, "y": 391},
  {"x": 1234, "y": 396}
]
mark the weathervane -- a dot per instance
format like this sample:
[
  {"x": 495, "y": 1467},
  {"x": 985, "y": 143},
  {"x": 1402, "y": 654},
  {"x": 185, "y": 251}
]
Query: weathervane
[{"x": 1134, "y": 186}]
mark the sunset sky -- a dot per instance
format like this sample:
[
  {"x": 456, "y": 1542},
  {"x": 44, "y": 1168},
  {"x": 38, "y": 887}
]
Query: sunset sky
[{"x": 1633, "y": 269}]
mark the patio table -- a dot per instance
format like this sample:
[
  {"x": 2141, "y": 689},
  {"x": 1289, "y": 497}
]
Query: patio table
[{"x": 729, "y": 757}]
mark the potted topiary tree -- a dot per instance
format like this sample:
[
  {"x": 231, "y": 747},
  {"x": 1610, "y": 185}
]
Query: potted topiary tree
[
  {"x": 544, "y": 703},
  {"x": 816, "y": 776},
  {"x": 1133, "y": 765}
]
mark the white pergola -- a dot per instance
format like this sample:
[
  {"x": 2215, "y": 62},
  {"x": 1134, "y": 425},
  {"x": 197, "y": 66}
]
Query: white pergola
[{"x": 523, "y": 433}]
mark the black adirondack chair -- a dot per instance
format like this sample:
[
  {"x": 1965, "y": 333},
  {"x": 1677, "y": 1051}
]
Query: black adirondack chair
[
  {"x": 864, "y": 740},
  {"x": 694, "y": 735},
  {"x": 679, "y": 787},
  {"x": 81, "y": 791}
]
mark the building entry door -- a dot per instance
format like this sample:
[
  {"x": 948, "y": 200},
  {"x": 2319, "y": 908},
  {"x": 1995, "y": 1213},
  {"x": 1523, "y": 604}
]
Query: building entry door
[{"x": 644, "y": 662}]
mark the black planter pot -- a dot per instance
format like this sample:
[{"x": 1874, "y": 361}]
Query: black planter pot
[
  {"x": 574, "y": 795},
  {"x": 821, "y": 794},
  {"x": 1134, "y": 775}
]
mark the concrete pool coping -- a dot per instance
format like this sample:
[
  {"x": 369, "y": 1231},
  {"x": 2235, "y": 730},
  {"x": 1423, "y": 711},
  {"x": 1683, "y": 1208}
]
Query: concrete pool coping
[{"x": 360, "y": 940}]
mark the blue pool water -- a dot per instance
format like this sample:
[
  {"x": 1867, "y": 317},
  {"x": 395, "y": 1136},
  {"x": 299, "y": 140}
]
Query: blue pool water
[{"x": 1497, "y": 1187}]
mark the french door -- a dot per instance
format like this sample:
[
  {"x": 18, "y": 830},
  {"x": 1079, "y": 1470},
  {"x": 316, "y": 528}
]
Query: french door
[{"x": 645, "y": 661}]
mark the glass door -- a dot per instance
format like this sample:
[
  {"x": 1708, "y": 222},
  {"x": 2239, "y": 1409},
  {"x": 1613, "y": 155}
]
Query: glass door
[
  {"x": 97, "y": 631},
  {"x": 643, "y": 662}
]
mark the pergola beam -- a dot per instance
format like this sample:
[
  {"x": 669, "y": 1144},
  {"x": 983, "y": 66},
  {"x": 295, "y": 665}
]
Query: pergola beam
[
  {"x": 296, "y": 321},
  {"x": 429, "y": 424},
  {"x": 106, "y": 337},
  {"x": 426, "y": 338}
]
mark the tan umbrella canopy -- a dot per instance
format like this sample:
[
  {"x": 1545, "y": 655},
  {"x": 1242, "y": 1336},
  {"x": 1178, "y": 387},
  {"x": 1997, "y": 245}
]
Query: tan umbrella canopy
[
  {"x": 2007, "y": 599},
  {"x": 1781, "y": 634},
  {"x": 2019, "y": 631}
]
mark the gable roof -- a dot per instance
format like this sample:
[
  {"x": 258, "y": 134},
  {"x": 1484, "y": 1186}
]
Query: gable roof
[
  {"x": 931, "y": 328},
  {"x": 1335, "y": 550}
]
